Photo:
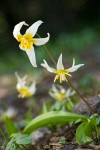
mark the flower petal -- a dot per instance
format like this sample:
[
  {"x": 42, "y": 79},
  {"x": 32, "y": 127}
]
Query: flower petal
[
  {"x": 63, "y": 77},
  {"x": 22, "y": 48},
  {"x": 17, "y": 28},
  {"x": 59, "y": 63},
  {"x": 45, "y": 65},
  {"x": 68, "y": 92},
  {"x": 34, "y": 27},
  {"x": 41, "y": 41},
  {"x": 21, "y": 81},
  {"x": 74, "y": 68},
  {"x": 32, "y": 88},
  {"x": 54, "y": 89},
  {"x": 73, "y": 62},
  {"x": 31, "y": 55}
]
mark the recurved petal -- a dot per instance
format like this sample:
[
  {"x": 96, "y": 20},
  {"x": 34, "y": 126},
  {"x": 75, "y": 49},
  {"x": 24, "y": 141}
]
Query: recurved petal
[
  {"x": 18, "y": 27},
  {"x": 24, "y": 49},
  {"x": 73, "y": 61},
  {"x": 59, "y": 63},
  {"x": 34, "y": 27},
  {"x": 45, "y": 65},
  {"x": 21, "y": 81},
  {"x": 74, "y": 68},
  {"x": 68, "y": 92},
  {"x": 31, "y": 55},
  {"x": 41, "y": 41},
  {"x": 63, "y": 77},
  {"x": 32, "y": 88},
  {"x": 54, "y": 89}
]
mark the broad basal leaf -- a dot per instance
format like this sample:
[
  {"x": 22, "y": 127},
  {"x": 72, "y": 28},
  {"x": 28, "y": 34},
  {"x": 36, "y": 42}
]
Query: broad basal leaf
[
  {"x": 52, "y": 117},
  {"x": 10, "y": 126},
  {"x": 81, "y": 137}
]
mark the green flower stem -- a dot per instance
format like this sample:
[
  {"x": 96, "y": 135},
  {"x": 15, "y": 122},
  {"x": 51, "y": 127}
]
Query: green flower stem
[
  {"x": 47, "y": 50},
  {"x": 85, "y": 101}
]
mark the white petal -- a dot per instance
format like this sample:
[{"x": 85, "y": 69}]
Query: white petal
[
  {"x": 24, "y": 78},
  {"x": 63, "y": 77},
  {"x": 21, "y": 81},
  {"x": 59, "y": 63},
  {"x": 34, "y": 27},
  {"x": 45, "y": 65},
  {"x": 22, "y": 48},
  {"x": 31, "y": 55},
  {"x": 54, "y": 89},
  {"x": 73, "y": 61},
  {"x": 18, "y": 27},
  {"x": 74, "y": 68},
  {"x": 68, "y": 92},
  {"x": 32, "y": 88},
  {"x": 41, "y": 41}
]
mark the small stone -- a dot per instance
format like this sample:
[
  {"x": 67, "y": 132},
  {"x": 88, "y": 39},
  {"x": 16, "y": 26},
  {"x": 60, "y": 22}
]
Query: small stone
[{"x": 39, "y": 134}]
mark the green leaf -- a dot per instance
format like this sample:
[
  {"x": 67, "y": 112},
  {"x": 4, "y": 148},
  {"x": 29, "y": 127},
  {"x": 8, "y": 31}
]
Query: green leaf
[
  {"x": 11, "y": 146},
  {"x": 95, "y": 119},
  {"x": 90, "y": 128},
  {"x": 98, "y": 120},
  {"x": 10, "y": 126},
  {"x": 81, "y": 136},
  {"x": 94, "y": 124},
  {"x": 23, "y": 139},
  {"x": 51, "y": 118}
]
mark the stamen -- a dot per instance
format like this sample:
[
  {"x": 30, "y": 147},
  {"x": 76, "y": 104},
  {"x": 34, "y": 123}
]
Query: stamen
[
  {"x": 56, "y": 77},
  {"x": 61, "y": 74},
  {"x": 60, "y": 95},
  {"x": 25, "y": 40},
  {"x": 24, "y": 92},
  {"x": 61, "y": 78},
  {"x": 65, "y": 78},
  {"x": 19, "y": 37}
]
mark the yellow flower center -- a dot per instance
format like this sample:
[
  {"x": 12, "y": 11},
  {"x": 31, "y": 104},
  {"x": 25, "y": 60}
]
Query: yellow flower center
[
  {"x": 61, "y": 74},
  {"x": 25, "y": 40},
  {"x": 24, "y": 92},
  {"x": 60, "y": 96}
]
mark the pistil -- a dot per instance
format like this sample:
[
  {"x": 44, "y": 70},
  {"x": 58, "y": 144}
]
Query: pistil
[{"x": 25, "y": 40}]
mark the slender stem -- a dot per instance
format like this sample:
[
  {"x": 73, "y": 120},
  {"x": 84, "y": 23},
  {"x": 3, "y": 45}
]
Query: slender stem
[
  {"x": 85, "y": 101},
  {"x": 49, "y": 54},
  {"x": 3, "y": 135},
  {"x": 47, "y": 50}
]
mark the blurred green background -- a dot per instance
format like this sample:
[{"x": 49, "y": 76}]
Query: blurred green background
[{"x": 74, "y": 26}]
